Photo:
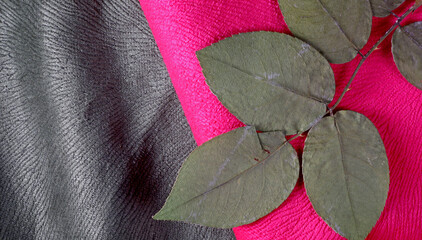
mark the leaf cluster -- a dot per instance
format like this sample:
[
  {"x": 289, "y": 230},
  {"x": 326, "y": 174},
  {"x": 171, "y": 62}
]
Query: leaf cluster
[{"x": 281, "y": 85}]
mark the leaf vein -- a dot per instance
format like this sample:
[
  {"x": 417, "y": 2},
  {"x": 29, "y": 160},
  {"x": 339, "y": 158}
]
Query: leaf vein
[
  {"x": 412, "y": 38},
  {"x": 344, "y": 170},
  {"x": 260, "y": 78},
  {"x": 233, "y": 178},
  {"x": 338, "y": 25}
]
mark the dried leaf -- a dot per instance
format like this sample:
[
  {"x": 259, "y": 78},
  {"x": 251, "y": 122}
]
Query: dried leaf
[
  {"x": 269, "y": 80},
  {"x": 383, "y": 8},
  {"x": 418, "y": 3},
  {"x": 346, "y": 175},
  {"x": 407, "y": 52},
  {"x": 338, "y": 29},
  {"x": 233, "y": 179}
]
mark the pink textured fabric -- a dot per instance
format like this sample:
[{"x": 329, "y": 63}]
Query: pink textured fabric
[{"x": 379, "y": 91}]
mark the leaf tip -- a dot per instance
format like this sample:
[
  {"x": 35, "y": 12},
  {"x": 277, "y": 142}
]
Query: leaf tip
[
  {"x": 200, "y": 54},
  {"x": 160, "y": 215},
  {"x": 156, "y": 216}
]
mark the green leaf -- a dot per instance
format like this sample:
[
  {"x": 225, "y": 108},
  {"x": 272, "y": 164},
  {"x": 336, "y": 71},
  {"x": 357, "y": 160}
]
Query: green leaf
[
  {"x": 383, "y": 8},
  {"x": 233, "y": 179},
  {"x": 418, "y": 3},
  {"x": 346, "y": 175},
  {"x": 269, "y": 80},
  {"x": 338, "y": 29},
  {"x": 407, "y": 52}
]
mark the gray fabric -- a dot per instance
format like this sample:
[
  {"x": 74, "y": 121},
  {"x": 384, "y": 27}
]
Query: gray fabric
[{"x": 91, "y": 131}]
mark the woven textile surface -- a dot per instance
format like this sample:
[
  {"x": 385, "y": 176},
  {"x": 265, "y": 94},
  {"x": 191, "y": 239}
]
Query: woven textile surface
[{"x": 92, "y": 133}]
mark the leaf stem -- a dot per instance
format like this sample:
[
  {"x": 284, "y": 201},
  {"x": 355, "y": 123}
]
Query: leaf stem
[{"x": 364, "y": 57}]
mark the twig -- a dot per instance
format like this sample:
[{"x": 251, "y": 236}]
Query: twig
[{"x": 364, "y": 57}]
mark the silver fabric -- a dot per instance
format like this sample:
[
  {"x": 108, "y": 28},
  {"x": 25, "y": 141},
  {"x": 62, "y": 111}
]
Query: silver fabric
[{"x": 91, "y": 131}]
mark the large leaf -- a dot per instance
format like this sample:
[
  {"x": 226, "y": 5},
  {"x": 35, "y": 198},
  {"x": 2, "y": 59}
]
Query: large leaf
[
  {"x": 269, "y": 80},
  {"x": 346, "y": 175},
  {"x": 233, "y": 179},
  {"x": 407, "y": 52},
  {"x": 339, "y": 29},
  {"x": 383, "y": 8}
]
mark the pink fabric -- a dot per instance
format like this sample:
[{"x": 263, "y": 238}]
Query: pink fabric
[{"x": 379, "y": 91}]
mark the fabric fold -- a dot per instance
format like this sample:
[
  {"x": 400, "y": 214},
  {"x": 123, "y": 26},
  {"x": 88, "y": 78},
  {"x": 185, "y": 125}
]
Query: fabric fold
[{"x": 91, "y": 129}]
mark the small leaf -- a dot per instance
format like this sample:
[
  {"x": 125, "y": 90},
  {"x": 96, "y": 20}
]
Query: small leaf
[
  {"x": 269, "y": 80},
  {"x": 407, "y": 52},
  {"x": 383, "y": 8},
  {"x": 233, "y": 179},
  {"x": 418, "y": 3},
  {"x": 346, "y": 175},
  {"x": 338, "y": 29}
]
